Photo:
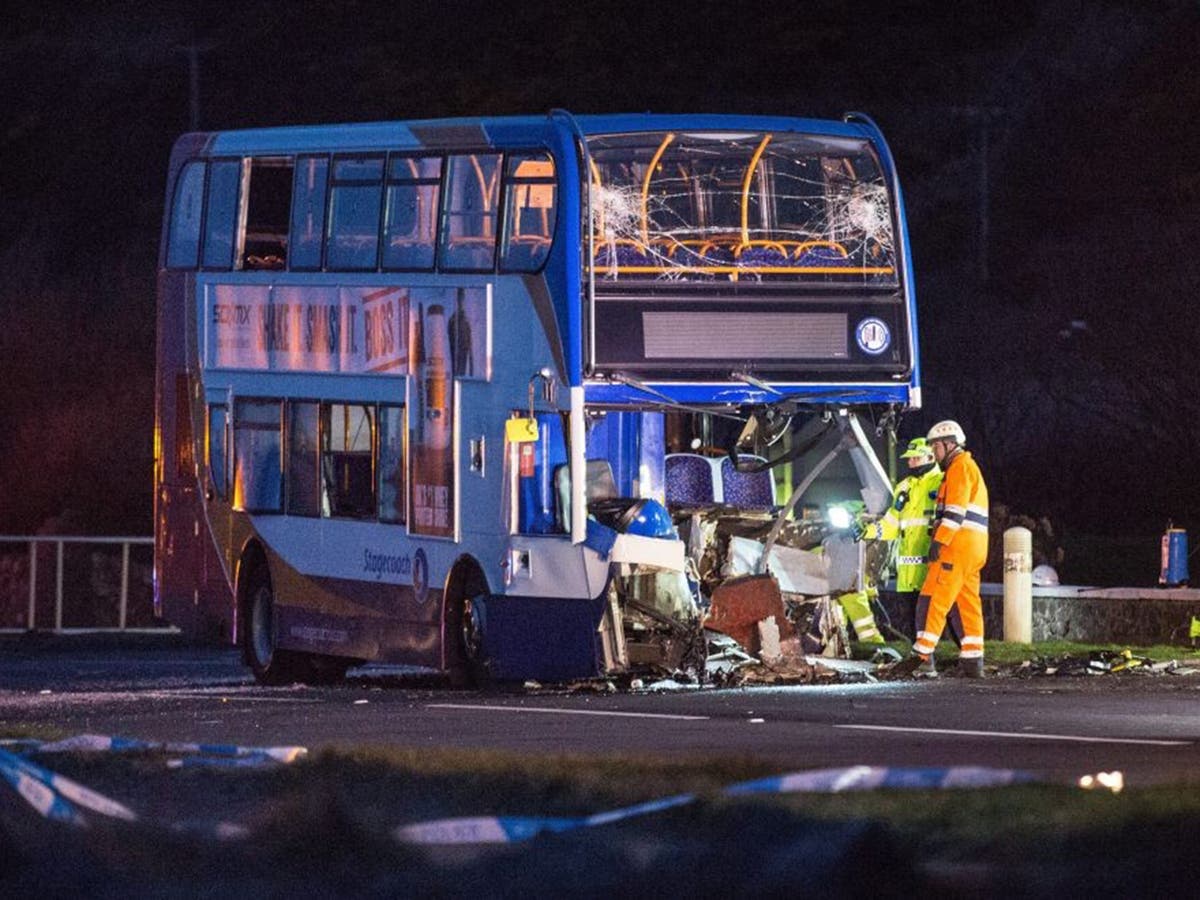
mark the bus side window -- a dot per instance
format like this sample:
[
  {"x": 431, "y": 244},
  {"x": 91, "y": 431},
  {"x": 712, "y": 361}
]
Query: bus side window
[
  {"x": 303, "y": 459},
  {"x": 220, "y": 220},
  {"x": 347, "y": 481},
  {"x": 257, "y": 479},
  {"x": 308, "y": 212},
  {"x": 410, "y": 218},
  {"x": 528, "y": 213},
  {"x": 183, "y": 244},
  {"x": 268, "y": 208},
  {"x": 469, "y": 213},
  {"x": 354, "y": 204},
  {"x": 391, "y": 474},
  {"x": 217, "y": 449}
]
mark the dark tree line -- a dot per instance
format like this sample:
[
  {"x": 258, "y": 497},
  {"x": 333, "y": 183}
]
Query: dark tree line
[{"x": 1044, "y": 147}]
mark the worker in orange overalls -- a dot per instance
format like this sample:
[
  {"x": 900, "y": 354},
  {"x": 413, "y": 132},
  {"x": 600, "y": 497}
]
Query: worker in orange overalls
[{"x": 956, "y": 555}]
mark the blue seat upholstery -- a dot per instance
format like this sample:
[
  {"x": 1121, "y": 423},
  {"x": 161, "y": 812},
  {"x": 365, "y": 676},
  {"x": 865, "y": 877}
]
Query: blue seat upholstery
[
  {"x": 750, "y": 490},
  {"x": 689, "y": 480}
]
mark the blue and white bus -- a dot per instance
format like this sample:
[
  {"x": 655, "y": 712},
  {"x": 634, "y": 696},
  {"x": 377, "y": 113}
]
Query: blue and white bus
[{"x": 430, "y": 392}]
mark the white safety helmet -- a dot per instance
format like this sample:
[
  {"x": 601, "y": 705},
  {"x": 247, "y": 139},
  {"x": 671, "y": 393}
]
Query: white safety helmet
[
  {"x": 1044, "y": 576},
  {"x": 947, "y": 429}
]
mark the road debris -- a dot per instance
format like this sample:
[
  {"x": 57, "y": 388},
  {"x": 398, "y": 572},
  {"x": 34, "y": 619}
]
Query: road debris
[{"x": 1114, "y": 781}]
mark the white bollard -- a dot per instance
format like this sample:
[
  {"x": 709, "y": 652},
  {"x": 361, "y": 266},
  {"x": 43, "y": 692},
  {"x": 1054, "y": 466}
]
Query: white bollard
[{"x": 1018, "y": 585}]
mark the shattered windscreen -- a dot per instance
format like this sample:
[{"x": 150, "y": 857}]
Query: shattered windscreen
[{"x": 709, "y": 206}]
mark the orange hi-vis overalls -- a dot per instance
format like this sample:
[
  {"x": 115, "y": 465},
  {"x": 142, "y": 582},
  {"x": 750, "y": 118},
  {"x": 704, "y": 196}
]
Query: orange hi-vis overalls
[{"x": 961, "y": 536}]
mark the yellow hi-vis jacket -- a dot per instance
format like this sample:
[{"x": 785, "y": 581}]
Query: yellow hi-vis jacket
[{"x": 912, "y": 523}]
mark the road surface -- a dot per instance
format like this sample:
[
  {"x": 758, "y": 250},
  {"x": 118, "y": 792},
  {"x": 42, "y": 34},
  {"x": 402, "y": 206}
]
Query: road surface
[{"x": 1058, "y": 728}]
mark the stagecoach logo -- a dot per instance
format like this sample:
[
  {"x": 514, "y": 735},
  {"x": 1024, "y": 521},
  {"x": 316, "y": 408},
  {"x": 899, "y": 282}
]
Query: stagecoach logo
[
  {"x": 873, "y": 336},
  {"x": 420, "y": 576}
]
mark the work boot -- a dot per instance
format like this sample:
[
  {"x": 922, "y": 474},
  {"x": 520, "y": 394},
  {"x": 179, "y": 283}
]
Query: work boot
[
  {"x": 927, "y": 669},
  {"x": 971, "y": 668}
]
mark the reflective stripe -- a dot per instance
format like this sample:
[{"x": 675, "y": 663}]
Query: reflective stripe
[
  {"x": 864, "y": 633},
  {"x": 951, "y": 524},
  {"x": 863, "y": 622},
  {"x": 977, "y": 517},
  {"x": 914, "y": 523},
  {"x": 923, "y": 649},
  {"x": 976, "y": 526},
  {"x": 972, "y": 641},
  {"x": 960, "y": 511},
  {"x": 927, "y": 636},
  {"x": 911, "y": 560},
  {"x": 974, "y": 508},
  {"x": 970, "y": 654}
]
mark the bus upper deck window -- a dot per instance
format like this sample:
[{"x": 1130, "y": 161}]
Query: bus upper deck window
[
  {"x": 355, "y": 200},
  {"x": 308, "y": 212},
  {"x": 528, "y": 212},
  {"x": 220, "y": 220},
  {"x": 268, "y": 202},
  {"x": 468, "y": 238},
  {"x": 410, "y": 216},
  {"x": 183, "y": 244}
]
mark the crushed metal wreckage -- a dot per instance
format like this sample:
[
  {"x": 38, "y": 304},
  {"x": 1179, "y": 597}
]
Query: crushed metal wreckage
[{"x": 761, "y": 596}]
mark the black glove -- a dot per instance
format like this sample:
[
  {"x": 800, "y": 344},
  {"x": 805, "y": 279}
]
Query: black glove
[
  {"x": 935, "y": 550},
  {"x": 901, "y": 501},
  {"x": 856, "y": 531}
]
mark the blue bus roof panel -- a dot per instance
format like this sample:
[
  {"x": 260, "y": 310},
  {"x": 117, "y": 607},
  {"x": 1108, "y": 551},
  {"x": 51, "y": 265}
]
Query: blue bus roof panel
[{"x": 499, "y": 131}]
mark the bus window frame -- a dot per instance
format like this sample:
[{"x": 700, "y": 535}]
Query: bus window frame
[
  {"x": 175, "y": 190},
  {"x": 280, "y": 402},
  {"x": 220, "y": 488},
  {"x": 213, "y": 162},
  {"x": 506, "y": 181},
  {"x": 286, "y": 451},
  {"x": 444, "y": 212},
  {"x": 249, "y": 164},
  {"x": 389, "y": 182},
  {"x": 331, "y": 182},
  {"x": 377, "y": 462},
  {"x": 298, "y": 160},
  {"x": 324, "y": 428}
]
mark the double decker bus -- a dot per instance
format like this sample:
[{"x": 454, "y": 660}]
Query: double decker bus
[{"x": 440, "y": 392}]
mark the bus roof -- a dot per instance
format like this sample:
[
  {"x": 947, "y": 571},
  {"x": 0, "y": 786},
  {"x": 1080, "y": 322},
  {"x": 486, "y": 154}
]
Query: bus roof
[{"x": 496, "y": 131}]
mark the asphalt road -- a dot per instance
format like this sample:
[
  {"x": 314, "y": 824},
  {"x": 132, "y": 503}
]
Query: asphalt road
[{"x": 1058, "y": 728}]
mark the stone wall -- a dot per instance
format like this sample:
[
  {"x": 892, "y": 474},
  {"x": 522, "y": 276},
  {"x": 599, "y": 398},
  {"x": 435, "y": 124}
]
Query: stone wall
[{"x": 1135, "y": 616}]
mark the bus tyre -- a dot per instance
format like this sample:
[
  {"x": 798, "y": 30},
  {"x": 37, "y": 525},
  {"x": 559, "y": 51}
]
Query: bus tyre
[
  {"x": 467, "y": 660},
  {"x": 269, "y": 664}
]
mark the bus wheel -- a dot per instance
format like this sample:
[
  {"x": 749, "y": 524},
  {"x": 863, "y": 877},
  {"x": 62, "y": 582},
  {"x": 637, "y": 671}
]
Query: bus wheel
[
  {"x": 472, "y": 639},
  {"x": 468, "y": 662},
  {"x": 269, "y": 664}
]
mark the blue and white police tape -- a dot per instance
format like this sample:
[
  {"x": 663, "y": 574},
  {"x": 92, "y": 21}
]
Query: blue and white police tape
[
  {"x": 513, "y": 829},
  {"x": 869, "y": 778},
  {"x": 99, "y": 743},
  {"x": 56, "y": 796},
  {"x": 59, "y": 798}
]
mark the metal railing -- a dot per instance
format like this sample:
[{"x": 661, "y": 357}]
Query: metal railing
[{"x": 59, "y": 542}]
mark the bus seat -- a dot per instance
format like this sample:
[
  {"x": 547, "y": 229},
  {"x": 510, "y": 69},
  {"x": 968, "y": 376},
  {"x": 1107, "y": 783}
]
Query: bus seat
[
  {"x": 600, "y": 485},
  {"x": 689, "y": 480},
  {"x": 822, "y": 253},
  {"x": 752, "y": 490},
  {"x": 761, "y": 254}
]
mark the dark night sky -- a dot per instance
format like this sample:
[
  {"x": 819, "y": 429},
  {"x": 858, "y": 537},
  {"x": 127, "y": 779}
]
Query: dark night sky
[{"x": 1092, "y": 212}]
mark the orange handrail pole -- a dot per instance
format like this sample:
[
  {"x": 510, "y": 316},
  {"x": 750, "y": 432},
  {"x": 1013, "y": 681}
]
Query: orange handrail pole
[
  {"x": 758, "y": 152},
  {"x": 662, "y": 148}
]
